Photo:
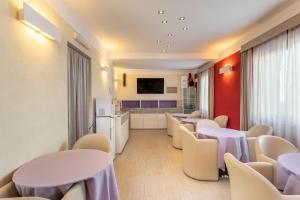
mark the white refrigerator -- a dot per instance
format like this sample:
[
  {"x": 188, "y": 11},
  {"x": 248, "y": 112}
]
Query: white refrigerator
[{"x": 105, "y": 120}]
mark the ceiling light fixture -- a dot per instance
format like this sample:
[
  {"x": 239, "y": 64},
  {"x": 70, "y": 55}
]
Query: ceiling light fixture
[
  {"x": 164, "y": 21},
  {"x": 161, "y": 12},
  {"x": 181, "y": 18},
  {"x": 170, "y": 35},
  {"x": 185, "y": 28}
]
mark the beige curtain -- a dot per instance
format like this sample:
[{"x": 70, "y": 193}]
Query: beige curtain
[
  {"x": 211, "y": 92},
  {"x": 79, "y": 85},
  {"x": 246, "y": 77}
]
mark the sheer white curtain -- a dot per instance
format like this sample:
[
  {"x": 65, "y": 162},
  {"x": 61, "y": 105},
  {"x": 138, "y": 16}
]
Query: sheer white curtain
[
  {"x": 204, "y": 94},
  {"x": 275, "y": 88}
]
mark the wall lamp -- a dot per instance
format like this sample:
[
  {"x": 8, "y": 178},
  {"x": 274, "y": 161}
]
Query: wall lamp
[
  {"x": 39, "y": 23},
  {"x": 225, "y": 69}
]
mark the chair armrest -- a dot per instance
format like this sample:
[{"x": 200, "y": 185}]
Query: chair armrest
[
  {"x": 264, "y": 168},
  {"x": 8, "y": 190},
  {"x": 190, "y": 127},
  {"x": 263, "y": 158},
  {"x": 290, "y": 197},
  {"x": 76, "y": 192}
]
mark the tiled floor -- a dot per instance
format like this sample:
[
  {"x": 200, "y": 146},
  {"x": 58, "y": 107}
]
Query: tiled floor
[{"x": 151, "y": 169}]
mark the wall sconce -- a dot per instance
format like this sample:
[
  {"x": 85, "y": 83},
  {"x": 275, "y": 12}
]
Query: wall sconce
[
  {"x": 225, "y": 69},
  {"x": 105, "y": 69},
  {"x": 39, "y": 23}
]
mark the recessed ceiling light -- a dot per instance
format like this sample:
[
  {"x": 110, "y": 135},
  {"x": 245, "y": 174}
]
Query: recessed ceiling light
[
  {"x": 181, "y": 18},
  {"x": 185, "y": 28},
  {"x": 170, "y": 35},
  {"x": 161, "y": 12},
  {"x": 164, "y": 21}
]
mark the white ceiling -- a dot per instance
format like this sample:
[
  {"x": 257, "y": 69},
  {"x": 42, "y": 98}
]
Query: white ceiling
[{"x": 134, "y": 26}]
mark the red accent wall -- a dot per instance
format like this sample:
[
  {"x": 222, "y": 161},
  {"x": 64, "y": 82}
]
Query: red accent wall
[{"x": 227, "y": 90}]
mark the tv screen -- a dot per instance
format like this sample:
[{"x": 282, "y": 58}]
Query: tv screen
[{"x": 150, "y": 85}]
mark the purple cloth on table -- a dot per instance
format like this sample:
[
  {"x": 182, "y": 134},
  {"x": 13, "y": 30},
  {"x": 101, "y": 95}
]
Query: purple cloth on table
[
  {"x": 229, "y": 140},
  {"x": 51, "y": 176},
  {"x": 191, "y": 120},
  {"x": 288, "y": 173}
]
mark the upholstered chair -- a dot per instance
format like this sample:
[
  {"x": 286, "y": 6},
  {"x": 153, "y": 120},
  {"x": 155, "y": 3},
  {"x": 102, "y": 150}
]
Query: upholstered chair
[
  {"x": 268, "y": 148},
  {"x": 199, "y": 156},
  {"x": 176, "y": 140},
  {"x": 196, "y": 114},
  {"x": 169, "y": 124},
  {"x": 259, "y": 130},
  {"x": 207, "y": 123},
  {"x": 76, "y": 192},
  {"x": 94, "y": 141},
  {"x": 222, "y": 120},
  {"x": 248, "y": 184}
]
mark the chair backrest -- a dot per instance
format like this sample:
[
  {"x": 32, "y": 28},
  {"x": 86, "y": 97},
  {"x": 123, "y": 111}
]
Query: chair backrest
[
  {"x": 248, "y": 184},
  {"x": 259, "y": 130},
  {"x": 273, "y": 146},
  {"x": 222, "y": 120},
  {"x": 76, "y": 192},
  {"x": 196, "y": 114},
  {"x": 207, "y": 123},
  {"x": 94, "y": 141}
]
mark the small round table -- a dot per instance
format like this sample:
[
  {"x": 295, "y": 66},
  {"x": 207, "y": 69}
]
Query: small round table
[
  {"x": 52, "y": 175},
  {"x": 288, "y": 173}
]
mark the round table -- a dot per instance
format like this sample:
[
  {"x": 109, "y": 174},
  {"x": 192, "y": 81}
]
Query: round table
[
  {"x": 229, "y": 141},
  {"x": 52, "y": 175},
  {"x": 288, "y": 173}
]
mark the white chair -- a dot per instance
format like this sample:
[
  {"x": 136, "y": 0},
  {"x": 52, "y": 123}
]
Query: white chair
[
  {"x": 77, "y": 192},
  {"x": 268, "y": 148},
  {"x": 176, "y": 137},
  {"x": 207, "y": 123},
  {"x": 259, "y": 130},
  {"x": 196, "y": 114},
  {"x": 200, "y": 156},
  {"x": 251, "y": 148},
  {"x": 222, "y": 120},
  {"x": 94, "y": 141},
  {"x": 169, "y": 124},
  {"x": 248, "y": 184}
]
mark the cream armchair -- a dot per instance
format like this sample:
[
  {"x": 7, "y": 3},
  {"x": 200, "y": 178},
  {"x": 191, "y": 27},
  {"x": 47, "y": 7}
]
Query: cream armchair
[
  {"x": 196, "y": 114},
  {"x": 248, "y": 184},
  {"x": 199, "y": 156},
  {"x": 268, "y": 148},
  {"x": 94, "y": 141},
  {"x": 169, "y": 124},
  {"x": 207, "y": 123},
  {"x": 259, "y": 130},
  {"x": 176, "y": 140},
  {"x": 251, "y": 148},
  {"x": 222, "y": 120}
]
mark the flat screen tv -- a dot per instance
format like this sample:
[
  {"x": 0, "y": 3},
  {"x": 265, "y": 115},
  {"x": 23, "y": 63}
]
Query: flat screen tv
[{"x": 150, "y": 85}]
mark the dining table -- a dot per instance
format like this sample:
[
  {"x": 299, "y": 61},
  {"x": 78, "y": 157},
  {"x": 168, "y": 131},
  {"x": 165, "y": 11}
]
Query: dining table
[
  {"x": 52, "y": 175},
  {"x": 229, "y": 141},
  {"x": 288, "y": 173}
]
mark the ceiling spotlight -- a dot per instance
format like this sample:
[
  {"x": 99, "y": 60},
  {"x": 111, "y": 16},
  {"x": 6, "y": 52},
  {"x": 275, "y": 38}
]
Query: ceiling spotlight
[
  {"x": 161, "y": 12},
  {"x": 181, "y": 18},
  {"x": 164, "y": 21},
  {"x": 170, "y": 35},
  {"x": 185, "y": 28}
]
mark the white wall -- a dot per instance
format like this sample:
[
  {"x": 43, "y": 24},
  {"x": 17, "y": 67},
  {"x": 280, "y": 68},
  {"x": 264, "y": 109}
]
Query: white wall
[
  {"x": 33, "y": 85},
  {"x": 172, "y": 79}
]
